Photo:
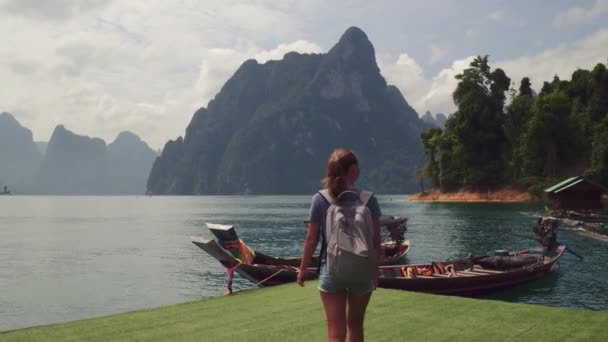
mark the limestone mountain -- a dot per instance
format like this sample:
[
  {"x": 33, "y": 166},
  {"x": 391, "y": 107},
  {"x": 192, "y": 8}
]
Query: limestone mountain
[
  {"x": 272, "y": 127},
  {"x": 80, "y": 165},
  {"x": 73, "y": 164},
  {"x": 42, "y": 145},
  {"x": 438, "y": 120},
  {"x": 129, "y": 161},
  {"x": 19, "y": 156}
]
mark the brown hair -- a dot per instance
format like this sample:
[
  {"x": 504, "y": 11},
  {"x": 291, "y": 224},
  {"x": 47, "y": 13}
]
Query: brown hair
[{"x": 338, "y": 164}]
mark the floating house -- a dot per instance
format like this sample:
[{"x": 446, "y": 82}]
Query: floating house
[{"x": 576, "y": 193}]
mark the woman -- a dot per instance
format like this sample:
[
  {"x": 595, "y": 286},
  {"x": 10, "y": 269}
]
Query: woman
[{"x": 345, "y": 302}]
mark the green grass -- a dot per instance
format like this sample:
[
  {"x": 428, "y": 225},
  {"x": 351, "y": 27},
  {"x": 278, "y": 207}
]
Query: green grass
[{"x": 290, "y": 313}]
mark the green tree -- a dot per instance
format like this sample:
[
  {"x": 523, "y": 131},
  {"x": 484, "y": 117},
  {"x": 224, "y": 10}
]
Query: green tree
[
  {"x": 599, "y": 156},
  {"x": 516, "y": 121},
  {"x": 598, "y": 102},
  {"x": 478, "y": 122},
  {"x": 453, "y": 172},
  {"x": 418, "y": 177},
  {"x": 558, "y": 133},
  {"x": 431, "y": 143},
  {"x": 550, "y": 144},
  {"x": 525, "y": 87},
  {"x": 518, "y": 112}
]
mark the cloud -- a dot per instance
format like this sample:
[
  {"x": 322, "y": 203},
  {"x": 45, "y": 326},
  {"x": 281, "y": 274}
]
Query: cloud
[
  {"x": 252, "y": 18},
  {"x": 562, "y": 60},
  {"x": 54, "y": 10},
  {"x": 435, "y": 93},
  {"x": 101, "y": 67},
  {"x": 278, "y": 52},
  {"x": 497, "y": 15},
  {"x": 578, "y": 15},
  {"x": 471, "y": 34},
  {"x": 101, "y": 103},
  {"x": 407, "y": 75},
  {"x": 123, "y": 66},
  {"x": 437, "y": 54}
]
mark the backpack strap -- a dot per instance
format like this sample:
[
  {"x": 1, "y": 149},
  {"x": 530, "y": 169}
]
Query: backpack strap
[
  {"x": 327, "y": 196},
  {"x": 322, "y": 253},
  {"x": 365, "y": 196}
]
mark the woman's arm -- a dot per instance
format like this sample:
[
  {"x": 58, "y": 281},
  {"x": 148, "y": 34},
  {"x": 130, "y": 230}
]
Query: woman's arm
[
  {"x": 310, "y": 244},
  {"x": 377, "y": 244}
]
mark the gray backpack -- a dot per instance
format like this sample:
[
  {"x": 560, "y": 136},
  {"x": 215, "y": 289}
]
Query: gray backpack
[{"x": 349, "y": 236}]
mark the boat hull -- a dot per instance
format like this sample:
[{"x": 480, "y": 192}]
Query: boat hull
[
  {"x": 477, "y": 280},
  {"x": 465, "y": 286},
  {"x": 259, "y": 274},
  {"x": 474, "y": 282}
]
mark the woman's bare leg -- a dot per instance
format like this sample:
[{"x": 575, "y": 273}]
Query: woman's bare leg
[
  {"x": 357, "y": 304},
  {"x": 335, "y": 311}
]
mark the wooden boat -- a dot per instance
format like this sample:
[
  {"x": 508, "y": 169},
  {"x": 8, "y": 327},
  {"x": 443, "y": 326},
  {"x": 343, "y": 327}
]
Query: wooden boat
[
  {"x": 274, "y": 272},
  {"x": 472, "y": 276},
  {"x": 394, "y": 251},
  {"x": 467, "y": 276},
  {"x": 476, "y": 275},
  {"x": 266, "y": 270}
]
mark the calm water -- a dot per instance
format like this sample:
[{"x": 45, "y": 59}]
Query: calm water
[{"x": 67, "y": 258}]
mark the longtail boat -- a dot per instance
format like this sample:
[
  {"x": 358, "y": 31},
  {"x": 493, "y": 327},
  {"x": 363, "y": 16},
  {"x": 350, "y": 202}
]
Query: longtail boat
[
  {"x": 466, "y": 276},
  {"x": 266, "y": 270},
  {"x": 394, "y": 251},
  {"x": 471, "y": 276},
  {"x": 274, "y": 272}
]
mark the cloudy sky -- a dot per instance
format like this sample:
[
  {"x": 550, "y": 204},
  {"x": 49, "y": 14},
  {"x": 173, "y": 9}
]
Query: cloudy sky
[{"x": 103, "y": 66}]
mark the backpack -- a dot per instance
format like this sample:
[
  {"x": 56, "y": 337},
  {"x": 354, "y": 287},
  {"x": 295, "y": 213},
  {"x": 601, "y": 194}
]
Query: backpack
[{"x": 349, "y": 237}]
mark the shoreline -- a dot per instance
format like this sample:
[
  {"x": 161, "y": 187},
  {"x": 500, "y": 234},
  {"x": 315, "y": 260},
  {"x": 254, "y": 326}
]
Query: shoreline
[
  {"x": 293, "y": 313},
  {"x": 500, "y": 195}
]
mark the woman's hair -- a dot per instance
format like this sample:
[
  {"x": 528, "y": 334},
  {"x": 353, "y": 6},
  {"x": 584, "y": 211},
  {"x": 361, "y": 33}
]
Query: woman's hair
[{"x": 338, "y": 164}]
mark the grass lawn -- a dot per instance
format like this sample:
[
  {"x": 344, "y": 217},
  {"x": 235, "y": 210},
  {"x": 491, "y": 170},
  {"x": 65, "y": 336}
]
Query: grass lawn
[{"x": 290, "y": 313}]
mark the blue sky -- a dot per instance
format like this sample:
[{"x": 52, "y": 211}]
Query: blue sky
[{"x": 103, "y": 66}]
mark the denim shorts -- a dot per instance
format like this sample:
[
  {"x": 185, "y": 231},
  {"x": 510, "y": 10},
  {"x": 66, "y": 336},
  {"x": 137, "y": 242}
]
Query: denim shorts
[{"x": 328, "y": 284}]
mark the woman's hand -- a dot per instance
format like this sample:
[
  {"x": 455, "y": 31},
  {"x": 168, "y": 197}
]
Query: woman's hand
[
  {"x": 301, "y": 276},
  {"x": 312, "y": 237}
]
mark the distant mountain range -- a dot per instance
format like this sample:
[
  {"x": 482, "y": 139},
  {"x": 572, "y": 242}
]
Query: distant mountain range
[
  {"x": 272, "y": 127},
  {"x": 19, "y": 155},
  {"x": 438, "y": 120},
  {"x": 71, "y": 163},
  {"x": 42, "y": 145}
]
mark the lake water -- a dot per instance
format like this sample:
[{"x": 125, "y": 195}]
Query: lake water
[{"x": 68, "y": 258}]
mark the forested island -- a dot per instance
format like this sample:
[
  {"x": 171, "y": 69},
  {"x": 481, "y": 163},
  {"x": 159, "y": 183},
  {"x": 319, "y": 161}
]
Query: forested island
[{"x": 502, "y": 139}]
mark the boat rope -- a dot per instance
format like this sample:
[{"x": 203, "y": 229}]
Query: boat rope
[
  {"x": 279, "y": 271},
  {"x": 231, "y": 271}
]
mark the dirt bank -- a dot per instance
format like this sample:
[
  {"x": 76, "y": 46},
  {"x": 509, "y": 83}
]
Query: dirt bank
[{"x": 504, "y": 194}]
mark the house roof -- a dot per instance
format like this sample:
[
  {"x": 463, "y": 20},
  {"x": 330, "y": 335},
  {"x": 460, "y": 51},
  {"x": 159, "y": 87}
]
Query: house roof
[{"x": 570, "y": 182}]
